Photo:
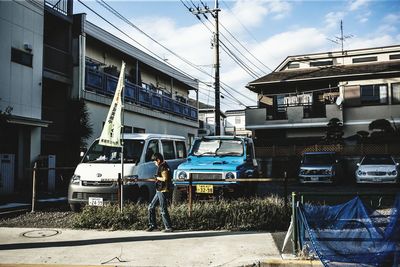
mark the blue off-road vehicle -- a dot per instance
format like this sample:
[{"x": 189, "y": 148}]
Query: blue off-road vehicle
[{"x": 213, "y": 166}]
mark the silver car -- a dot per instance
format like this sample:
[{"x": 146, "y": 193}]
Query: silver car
[{"x": 377, "y": 169}]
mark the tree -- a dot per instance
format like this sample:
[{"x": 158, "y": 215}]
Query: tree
[
  {"x": 334, "y": 132},
  {"x": 79, "y": 129},
  {"x": 382, "y": 130}
]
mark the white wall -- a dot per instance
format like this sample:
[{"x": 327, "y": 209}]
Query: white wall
[{"x": 20, "y": 86}]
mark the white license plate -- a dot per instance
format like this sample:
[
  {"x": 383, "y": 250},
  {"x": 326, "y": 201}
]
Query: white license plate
[
  {"x": 95, "y": 201},
  {"x": 314, "y": 179}
]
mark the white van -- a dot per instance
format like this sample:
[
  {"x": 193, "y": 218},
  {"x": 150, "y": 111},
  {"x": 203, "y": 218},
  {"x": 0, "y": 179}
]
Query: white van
[{"x": 95, "y": 179}]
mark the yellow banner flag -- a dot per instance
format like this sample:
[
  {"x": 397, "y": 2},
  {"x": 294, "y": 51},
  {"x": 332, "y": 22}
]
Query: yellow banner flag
[{"x": 111, "y": 134}]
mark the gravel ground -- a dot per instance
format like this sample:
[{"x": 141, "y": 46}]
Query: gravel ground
[{"x": 47, "y": 217}]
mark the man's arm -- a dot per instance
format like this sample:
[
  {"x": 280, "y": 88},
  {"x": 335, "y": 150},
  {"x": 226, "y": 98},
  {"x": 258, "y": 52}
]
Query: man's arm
[{"x": 163, "y": 177}]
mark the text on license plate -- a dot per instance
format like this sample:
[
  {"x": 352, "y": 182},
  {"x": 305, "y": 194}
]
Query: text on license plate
[
  {"x": 204, "y": 188},
  {"x": 95, "y": 201}
]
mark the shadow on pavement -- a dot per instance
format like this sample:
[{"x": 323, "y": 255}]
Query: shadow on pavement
[{"x": 73, "y": 243}]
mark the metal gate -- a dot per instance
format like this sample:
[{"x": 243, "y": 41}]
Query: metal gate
[{"x": 7, "y": 173}]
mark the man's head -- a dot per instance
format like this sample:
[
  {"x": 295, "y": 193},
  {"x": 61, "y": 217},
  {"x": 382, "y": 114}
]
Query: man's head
[{"x": 157, "y": 158}]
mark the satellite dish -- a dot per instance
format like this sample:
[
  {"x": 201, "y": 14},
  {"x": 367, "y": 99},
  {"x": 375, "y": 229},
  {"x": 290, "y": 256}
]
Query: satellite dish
[{"x": 339, "y": 100}]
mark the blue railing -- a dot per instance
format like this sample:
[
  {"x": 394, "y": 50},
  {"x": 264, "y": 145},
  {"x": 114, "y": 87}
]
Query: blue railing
[{"x": 105, "y": 84}]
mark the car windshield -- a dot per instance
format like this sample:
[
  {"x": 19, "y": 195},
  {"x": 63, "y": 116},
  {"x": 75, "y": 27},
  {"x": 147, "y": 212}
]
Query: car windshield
[
  {"x": 377, "y": 160},
  {"x": 106, "y": 154},
  {"x": 217, "y": 147},
  {"x": 319, "y": 159}
]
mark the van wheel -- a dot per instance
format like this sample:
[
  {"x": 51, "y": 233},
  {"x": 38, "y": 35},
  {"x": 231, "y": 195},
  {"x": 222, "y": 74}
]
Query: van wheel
[
  {"x": 75, "y": 207},
  {"x": 143, "y": 195},
  {"x": 177, "y": 196}
]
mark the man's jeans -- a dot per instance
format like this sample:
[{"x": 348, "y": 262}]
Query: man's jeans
[{"x": 162, "y": 198}]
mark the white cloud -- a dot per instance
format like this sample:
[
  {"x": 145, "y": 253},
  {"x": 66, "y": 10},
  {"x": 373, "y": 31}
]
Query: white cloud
[
  {"x": 356, "y": 4},
  {"x": 364, "y": 17},
  {"x": 332, "y": 19},
  {"x": 392, "y": 18}
]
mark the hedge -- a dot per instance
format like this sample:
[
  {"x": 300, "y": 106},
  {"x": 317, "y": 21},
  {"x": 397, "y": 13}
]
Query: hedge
[{"x": 266, "y": 214}]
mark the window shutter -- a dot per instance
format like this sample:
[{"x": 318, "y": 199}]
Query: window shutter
[{"x": 352, "y": 95}]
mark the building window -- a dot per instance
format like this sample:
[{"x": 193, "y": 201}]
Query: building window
[
  {"x": 127, "y": 129},
  {"x": 395, "y": 56},
  {"x": 138, "y": 130},
  {"x": 373, "y": 94},
  {"x": 238, "y": 120},
  {"x": 21, "y": 57},
  {"x": 365, "y": 59},
  {"x": 396, "y": 93},
  {"x": 321, "y": 63},
  {"x": 294, "y": 65}
]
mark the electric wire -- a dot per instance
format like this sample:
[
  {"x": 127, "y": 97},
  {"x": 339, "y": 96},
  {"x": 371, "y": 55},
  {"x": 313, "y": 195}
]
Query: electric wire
[
  {"x": 116, "y": 13},
  {"x": 120, "y": 16}
]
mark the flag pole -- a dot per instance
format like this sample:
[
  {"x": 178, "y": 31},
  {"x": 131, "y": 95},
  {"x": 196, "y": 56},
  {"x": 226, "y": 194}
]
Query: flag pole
[
  {"x": 112, "y": 133},
  {"x": 122, "y": 143}
]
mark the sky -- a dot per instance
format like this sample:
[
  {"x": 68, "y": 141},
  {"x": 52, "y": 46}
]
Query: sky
[{"x": 259, "y": 33}]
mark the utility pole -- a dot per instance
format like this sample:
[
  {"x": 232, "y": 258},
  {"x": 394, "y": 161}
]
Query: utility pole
[{"x": 214, "y": 13}]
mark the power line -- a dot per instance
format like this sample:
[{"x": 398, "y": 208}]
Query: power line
[
  {"x": 250, "y": 34},
  {"x": 116, "y": 13}
]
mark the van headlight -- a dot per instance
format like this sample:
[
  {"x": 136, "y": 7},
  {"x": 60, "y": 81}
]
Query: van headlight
[
  {"x": 229, "y": 175},
  {"x": 75, "y": 179},
  {"x": 182, "y": 175}
]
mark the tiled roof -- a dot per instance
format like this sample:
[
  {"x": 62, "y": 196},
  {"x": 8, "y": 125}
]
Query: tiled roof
[{"x": 329, "y": 72}]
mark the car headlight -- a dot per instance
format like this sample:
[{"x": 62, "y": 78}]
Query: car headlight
[
  {"x": 361, "y": 173},
  {"x": 229, "y": 175},
  {"x": 75, "y": 179},
  {"x": 394, "y": 173},
  {"x": 182, "y": 175},
  {"x": 327, "y": 172}
]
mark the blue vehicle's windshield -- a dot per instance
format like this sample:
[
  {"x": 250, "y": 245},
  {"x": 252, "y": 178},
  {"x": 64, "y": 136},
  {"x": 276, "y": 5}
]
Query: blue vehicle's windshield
[{"x": 217, "y": 147}]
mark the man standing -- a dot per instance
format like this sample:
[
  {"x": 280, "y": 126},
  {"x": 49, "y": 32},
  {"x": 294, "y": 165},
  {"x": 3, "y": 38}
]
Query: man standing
[{"x": 163, "y": 181}]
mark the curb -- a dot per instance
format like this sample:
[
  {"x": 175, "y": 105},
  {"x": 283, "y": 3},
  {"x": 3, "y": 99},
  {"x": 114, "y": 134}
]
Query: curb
[{"x": 291, "y": 263}]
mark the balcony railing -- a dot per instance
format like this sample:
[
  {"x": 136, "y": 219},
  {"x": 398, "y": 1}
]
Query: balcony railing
[
  {"x": 105, "y": 84},
  {"x": 309, "y": 111}
]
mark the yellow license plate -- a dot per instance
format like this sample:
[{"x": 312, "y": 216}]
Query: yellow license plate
[{"x": 204, "y": 188}]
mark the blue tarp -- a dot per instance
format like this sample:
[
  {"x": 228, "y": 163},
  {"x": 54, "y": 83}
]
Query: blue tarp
[{"x": 352, "y": 234}]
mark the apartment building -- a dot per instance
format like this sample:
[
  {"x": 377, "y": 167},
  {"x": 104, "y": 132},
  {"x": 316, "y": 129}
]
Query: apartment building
[
  {"x": 156, "y": 94},
  {"x": 51, "y": 59},
  {"x": 297, "y": 100},
  {"x": 21, "y": 50}
]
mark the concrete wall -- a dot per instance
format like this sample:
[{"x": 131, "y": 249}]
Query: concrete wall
[{"x": 20, "y": 86}]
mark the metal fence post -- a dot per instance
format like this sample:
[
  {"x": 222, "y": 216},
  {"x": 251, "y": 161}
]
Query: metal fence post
[
  {"x": 34, "y": 187},
  {"x": 295, "y": 225},
  {"x": 190, "y": 197}
]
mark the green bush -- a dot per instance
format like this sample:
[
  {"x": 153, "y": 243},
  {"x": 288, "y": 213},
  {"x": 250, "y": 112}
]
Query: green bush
[{"x": 268, "y": 214}]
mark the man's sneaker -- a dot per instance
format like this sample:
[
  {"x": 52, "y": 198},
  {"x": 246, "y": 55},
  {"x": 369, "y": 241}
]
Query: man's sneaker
[
  {"x": 150, "y": 229},
  {"x": 168, "y": 230}
]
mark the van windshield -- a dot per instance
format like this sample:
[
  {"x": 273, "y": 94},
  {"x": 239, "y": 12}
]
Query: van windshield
[
  {"x": 106, "y": 154},
  {"x": 319, "y": 159},
  {"x": 217, "y": 147}
]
